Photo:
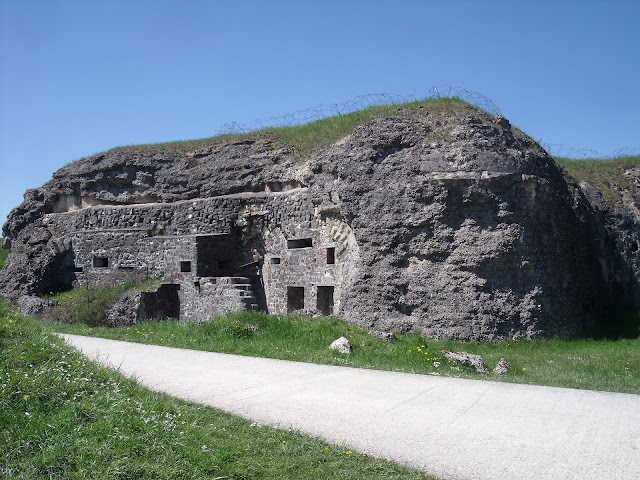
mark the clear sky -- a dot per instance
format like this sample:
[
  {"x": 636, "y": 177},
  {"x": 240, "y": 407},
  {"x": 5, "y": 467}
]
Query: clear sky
[{"x": 81, "y": 76}]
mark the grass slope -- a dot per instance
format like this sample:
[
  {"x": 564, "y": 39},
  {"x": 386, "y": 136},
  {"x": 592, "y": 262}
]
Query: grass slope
[
  {"x": 62, "y": 416},
  {"x": 604, "y": 174},
  {"x": 310, "y": 137},
  {"x": 604, "y": 364}
]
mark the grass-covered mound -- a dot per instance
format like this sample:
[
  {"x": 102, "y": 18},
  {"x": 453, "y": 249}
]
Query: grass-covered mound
[
  {"x": 307, "y": 138},
  {"x": 62, "y": 416}
]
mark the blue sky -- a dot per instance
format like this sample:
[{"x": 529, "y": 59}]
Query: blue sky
[{"x": 79, "y": 77}]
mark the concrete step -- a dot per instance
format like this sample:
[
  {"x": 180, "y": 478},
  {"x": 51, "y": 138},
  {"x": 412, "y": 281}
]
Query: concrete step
[
  {"x": 232, "y": 292},
  {"x": 242, "y": 288},
  {"x": 233, "y": 280}
]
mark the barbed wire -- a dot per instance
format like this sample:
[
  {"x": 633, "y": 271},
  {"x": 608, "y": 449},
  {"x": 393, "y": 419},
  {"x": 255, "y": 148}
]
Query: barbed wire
[
  {"x": 477, "y": 99},
  {"x": 358, "y": 103},
  {"x": 560, "y": 150}
]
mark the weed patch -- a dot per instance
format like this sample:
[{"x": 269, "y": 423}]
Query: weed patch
[{"x": 89, "y": 305}]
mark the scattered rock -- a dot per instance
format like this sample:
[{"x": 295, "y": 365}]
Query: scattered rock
[
  {"x": 34, "y": 306},
  {"x": 388, "y": 336},
  {"x": 502, "y": 367},
  {"x": 469, "y": 359},
  {"x": 342, "y": 345},
  {"x": 157, "y": 302},
  {"x": 125, "y": 311},
  {"x": 252, "y": 327}
]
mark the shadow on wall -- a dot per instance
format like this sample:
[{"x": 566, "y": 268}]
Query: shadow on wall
[
  {"x": 163, "y": 302},
  {"x": 617, "y": 326}
]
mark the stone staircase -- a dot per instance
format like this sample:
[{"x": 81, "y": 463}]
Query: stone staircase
[{"x": 239, "y": 291}]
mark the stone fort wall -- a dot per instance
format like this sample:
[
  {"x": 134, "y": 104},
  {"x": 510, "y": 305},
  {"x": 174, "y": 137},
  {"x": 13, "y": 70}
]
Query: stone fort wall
[{"x": 299, "y": 260}]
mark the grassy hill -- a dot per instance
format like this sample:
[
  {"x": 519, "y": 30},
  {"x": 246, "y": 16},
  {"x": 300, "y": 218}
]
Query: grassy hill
[{"x": 306, "y": 138}]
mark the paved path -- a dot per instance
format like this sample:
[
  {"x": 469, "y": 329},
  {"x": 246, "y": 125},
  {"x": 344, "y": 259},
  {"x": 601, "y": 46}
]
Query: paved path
[{"x": 451, "y": 428}]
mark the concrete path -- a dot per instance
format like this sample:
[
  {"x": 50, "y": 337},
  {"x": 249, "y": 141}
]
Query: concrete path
[{"x": 450, "y": 428}]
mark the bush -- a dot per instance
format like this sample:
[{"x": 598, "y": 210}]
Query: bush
[{"x": 89, "y": 305}]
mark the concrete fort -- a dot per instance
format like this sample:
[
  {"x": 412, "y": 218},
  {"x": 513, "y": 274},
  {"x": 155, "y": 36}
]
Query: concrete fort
[{"x": 436, "y": 218}]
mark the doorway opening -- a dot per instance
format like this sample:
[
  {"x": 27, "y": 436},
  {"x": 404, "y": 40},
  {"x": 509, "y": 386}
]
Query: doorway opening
[
  {"x": 325, "y": 300},
  {"x": 295, "y": 299}
]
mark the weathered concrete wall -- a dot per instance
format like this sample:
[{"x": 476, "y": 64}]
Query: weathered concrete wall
[
  {"x": 205, "y": 298},
  {"x": 308, "y": 259}
]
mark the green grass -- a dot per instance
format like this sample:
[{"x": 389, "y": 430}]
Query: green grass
[
  {"x": 596, "y": 364},
  {"x": 62, "y": 416},
  {"x": 3, "y": 254},
  {"x": 90, "y": 304},
  {"x": 310, "y": 137},
  {"x": 604, "y": 174},
  {"x": 313, "y": 136}
]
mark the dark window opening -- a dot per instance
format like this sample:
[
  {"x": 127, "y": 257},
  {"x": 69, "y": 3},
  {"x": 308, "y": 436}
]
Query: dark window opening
[
  {"x": 78, "y": 269},
  {"x": 185, "y": 266},
  {"x": 325, "y": 300},
  {"x": 300, "y": 243},
  {"x": 295, "y": 298},
  {"x": 275, "y": 261},
  {"x": 101, "y": 262},
  {"x": 126, "y": 268},
  {"x": 331, "y": 256}
]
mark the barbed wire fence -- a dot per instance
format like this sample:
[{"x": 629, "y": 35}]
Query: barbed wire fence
[
  {"x": 477, "y": 99},
  {"x": 560, "y": 150},
  {"x": 358, "y": 103}
]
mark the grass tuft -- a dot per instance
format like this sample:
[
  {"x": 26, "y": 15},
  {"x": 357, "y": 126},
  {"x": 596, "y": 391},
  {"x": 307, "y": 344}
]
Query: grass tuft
[
  {"x": 3, "y": 254},
  {"x": 311, "y": 137}
]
